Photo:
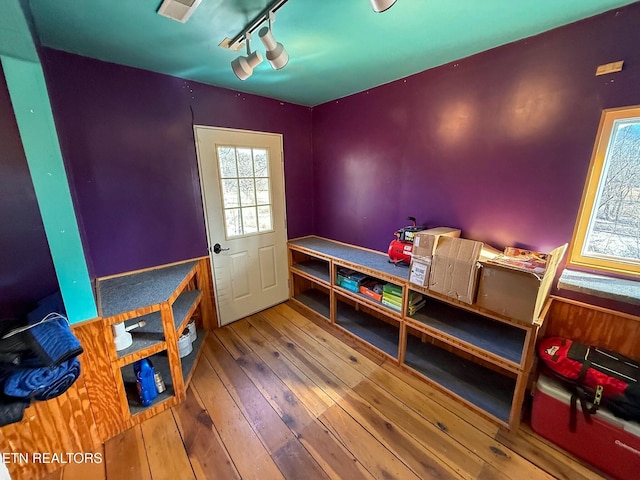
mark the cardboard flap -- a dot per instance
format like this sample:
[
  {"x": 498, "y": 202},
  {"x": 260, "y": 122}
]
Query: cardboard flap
[
  {"x": 454, "y": 269},
  {"x": 555, "y": 256}
]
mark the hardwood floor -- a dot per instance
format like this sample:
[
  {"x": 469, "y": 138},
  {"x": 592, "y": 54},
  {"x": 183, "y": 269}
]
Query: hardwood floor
[{"x": 277, "y": 396}]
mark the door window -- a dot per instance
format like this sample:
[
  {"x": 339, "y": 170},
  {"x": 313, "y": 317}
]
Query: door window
[{"x": 246, "y": 190}]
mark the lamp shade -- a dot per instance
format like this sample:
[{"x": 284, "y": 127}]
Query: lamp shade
[
  {"x": 243, "y": 65},
  {"x": 276, "y": 53},
  {"x": 381, "y": 5}
]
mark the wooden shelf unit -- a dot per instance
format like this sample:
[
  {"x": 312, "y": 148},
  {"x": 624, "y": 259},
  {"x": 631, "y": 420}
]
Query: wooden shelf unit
[
  {"x": 479, "y": 358},
  {"x": 166, "y": 298}
]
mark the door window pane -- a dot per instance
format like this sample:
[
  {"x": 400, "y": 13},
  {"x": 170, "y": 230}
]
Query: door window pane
[
  {"x": 249, "y": 220},
  {"x": 230, "y": 193},
  {"x": 245, "y": 162},
  {"x": 227, "y": 161},
  {"x": 246, "y": 190},
  {"x": 262, "y": 191},
  {"x": 233, "y": 222},
  {"x": 261, "y": 163}
]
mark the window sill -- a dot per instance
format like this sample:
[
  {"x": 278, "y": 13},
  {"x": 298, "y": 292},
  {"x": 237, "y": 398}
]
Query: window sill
[{"x": 627, "y": 291}]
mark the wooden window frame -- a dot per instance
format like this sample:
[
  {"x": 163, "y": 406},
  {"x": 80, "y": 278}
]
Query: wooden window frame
[{"x": 598, "y": 157}]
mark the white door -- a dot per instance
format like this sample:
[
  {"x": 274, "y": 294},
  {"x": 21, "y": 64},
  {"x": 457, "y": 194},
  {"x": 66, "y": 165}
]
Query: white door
[{"x": 242, "y": 179}]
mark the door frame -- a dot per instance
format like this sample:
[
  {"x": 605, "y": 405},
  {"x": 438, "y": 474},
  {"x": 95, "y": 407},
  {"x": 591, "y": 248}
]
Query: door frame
[{"x": 204, "y": 202}]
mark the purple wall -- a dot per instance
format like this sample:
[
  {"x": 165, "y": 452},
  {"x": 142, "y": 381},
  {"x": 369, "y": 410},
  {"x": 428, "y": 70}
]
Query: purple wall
[
  {"x": 497, "y": 144},
  {"x": 127, "y": 139},
  {"x": 26, "y": 268}
]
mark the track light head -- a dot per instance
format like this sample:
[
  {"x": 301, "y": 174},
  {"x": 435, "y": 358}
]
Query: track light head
[
  {"x": 243, "y": 65},
  {"x": 381, "y": 5},
  {"x": 276, "y": 53}
]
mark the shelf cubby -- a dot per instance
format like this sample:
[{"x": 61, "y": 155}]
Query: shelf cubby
[
  {"x": 184, "y": 307},
  {"x": 484, "y": 388},
  {"x": 160, "y": 364},
  {"x": 189, "y": 362},
  {"x": 471, "y": 330},
  {"x": 312, "y": 295},
  {"x": 146, "y": 336},
  {"x": 315, "y": 268},
  {"x": 355, "y": 319}
]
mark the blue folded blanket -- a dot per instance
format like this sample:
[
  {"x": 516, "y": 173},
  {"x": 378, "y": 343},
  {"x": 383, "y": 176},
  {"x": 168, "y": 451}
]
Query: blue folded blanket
[
  {"x": 51, "y": 338},
  {"x": 42, "y": 383},
  {"x": 53, "y": 342}
]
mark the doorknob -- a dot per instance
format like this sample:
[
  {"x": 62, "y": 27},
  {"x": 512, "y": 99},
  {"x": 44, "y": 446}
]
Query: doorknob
[{"x": 217, "y": 249}]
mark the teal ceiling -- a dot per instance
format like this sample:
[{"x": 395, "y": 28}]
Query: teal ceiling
[{"x": 337, "y": 47}]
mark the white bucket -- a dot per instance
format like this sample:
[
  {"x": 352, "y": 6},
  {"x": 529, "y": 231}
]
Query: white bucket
[
  {"x": 184, "y": 344},
  {"x": 191, "y": 326}
]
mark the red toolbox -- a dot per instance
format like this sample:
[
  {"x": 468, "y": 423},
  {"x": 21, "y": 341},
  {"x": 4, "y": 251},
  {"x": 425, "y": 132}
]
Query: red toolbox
[{"x": 609, "y": 443}]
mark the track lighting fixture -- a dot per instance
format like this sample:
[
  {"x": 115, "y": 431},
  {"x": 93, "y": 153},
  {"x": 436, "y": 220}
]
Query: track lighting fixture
[
  {"x": 381, "y": 5},
  {"x": 243, "y": 66},
  {"x": 276, "y": 54}
]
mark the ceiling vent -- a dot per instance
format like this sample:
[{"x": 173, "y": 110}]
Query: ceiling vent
[{"x": 179, "y": 10}]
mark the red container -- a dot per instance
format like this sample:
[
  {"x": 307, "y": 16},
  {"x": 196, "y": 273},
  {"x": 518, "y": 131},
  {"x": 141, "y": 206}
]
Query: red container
[{"x": 609, "y": 443}]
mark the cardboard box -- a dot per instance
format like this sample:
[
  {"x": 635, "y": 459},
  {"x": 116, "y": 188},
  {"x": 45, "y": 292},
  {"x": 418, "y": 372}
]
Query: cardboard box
[
  {"x": 454, "y": 268},
  {"x": 517, "y": 294},
  {"x": 424, "y": 243},
  {"x": 608, "y": 442},
  {"x": 419, "y": 271}
]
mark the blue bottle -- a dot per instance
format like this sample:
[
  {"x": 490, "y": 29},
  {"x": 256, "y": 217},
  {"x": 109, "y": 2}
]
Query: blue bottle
[{"x": 145, "y": 381}]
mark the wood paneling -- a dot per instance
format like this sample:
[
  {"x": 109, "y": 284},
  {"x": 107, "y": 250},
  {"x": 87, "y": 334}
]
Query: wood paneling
[
  {"x": 61, "y": 425},
  {"x": 101, "y": 385},
  {"x": 594, "y": 326}
]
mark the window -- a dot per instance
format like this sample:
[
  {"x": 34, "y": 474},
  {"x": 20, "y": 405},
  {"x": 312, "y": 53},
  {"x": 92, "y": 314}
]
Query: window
[
  {"x": 246, "y": 191},
  {"x": 607, "y": 234}
]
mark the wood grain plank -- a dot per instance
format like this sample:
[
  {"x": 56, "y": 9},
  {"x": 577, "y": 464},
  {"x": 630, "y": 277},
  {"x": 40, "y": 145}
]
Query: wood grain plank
[
  {"x": 466, "y": 457},
  {"x": 249, "y": 455},
  {"x": 314, "y": 399},
  {"x": 208, "y": 456},
  {"x": 55, "y": 475},
  {"x": 95, "y": 470},
  {"x": 167, "y": 457},
  {"x": 234, "y": 345},
  {"x": 126, "y": 456},
  {"x": 260, "y": 414},
  {"x": 354, "y": 358},
  {"x": 319, "y": 371},
  {"x": 594, "y": 326},
  {"x": 423, "y": 461},
  {"x": 296, "y": 462},
  {"x": 289, "y": 406},
  {"x": 295, "y": 317},
  {"x": 204, "y": 281},
  {"x": 18, "y": 438},
  {"x": 380, "y": 462},
  {"x": 297, "y": 342},
  {"x": 337, "y": 462},
  {"x": 547, "y": 456},
  {"x": 99, "y": 380}
]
